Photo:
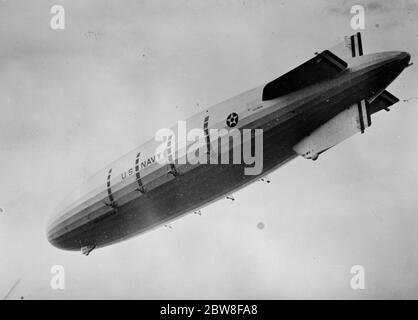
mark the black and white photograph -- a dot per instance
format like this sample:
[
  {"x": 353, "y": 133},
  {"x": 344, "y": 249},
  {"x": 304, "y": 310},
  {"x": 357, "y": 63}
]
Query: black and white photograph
[{"x": 233, "y": 151}]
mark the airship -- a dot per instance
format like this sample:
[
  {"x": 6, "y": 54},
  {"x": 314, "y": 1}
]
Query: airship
[{"x": 304, "y": 112}]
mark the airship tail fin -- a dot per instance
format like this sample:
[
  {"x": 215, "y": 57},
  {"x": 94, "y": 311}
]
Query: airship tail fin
[
  {"x": 323, "y": 66},
  {"x": 351, "y": 47},
  {"x": 382, "y": 102}
]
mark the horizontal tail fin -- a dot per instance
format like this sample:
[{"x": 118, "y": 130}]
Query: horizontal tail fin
[
  {"x": 382, "y": 102},
  {"x": 323, "y": 66}
]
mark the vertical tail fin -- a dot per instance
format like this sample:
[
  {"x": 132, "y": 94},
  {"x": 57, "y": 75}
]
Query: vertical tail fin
[{"x": 351, "y": 47}]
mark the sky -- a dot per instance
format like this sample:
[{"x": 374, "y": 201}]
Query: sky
[{"x": 74, "y": 100}]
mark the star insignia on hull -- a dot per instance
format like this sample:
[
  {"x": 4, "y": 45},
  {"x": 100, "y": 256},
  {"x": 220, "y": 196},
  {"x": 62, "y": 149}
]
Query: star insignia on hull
[{"x": 232, "y": 120}]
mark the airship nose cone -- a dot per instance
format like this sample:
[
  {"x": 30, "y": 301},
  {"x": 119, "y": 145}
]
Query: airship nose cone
[
  {"x": 404, "y": 57},
  {"x": 50, "y": 235}
]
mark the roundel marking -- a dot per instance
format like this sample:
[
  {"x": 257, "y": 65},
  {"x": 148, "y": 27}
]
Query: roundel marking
[{"x": 232, "y": 120}]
